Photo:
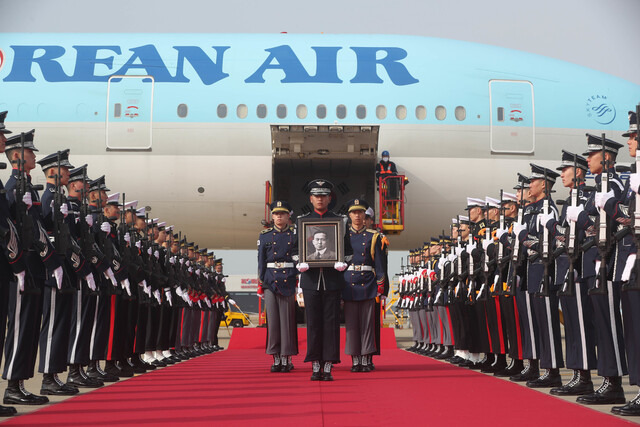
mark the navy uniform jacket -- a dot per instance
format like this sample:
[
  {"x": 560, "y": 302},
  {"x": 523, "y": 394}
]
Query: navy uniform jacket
[
  {"x": 40, "y": 255},
  {"x": 278, "y": 246},
  {"x": 11, "y": 259},
  {"x": 530, "y": 240},
  {"x": 331, "y": 279},
  {"x": 367, "y": 251}
]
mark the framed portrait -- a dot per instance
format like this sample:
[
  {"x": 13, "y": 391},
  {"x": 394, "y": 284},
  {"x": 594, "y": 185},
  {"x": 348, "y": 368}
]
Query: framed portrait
[{"x": 321, "y": 241}]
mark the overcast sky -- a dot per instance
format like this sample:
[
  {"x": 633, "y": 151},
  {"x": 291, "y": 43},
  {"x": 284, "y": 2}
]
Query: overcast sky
[{"x": 601, "y": 34}]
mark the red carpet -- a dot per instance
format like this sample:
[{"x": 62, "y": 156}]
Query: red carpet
[{"x": 235, "y": 387}]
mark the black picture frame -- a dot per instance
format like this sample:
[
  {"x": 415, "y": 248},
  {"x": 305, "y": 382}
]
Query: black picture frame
[{"x": 310, "y": 240}]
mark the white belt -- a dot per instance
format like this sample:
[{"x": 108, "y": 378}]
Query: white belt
[
  {"x": 280, "y": 265},
  {"x": 360, "y": 268}
]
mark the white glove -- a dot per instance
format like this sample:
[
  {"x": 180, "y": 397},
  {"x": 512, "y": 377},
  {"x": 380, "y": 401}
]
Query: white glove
[
  {"x": 458, "y": 250},
  {"x": 64, "y": 210},
  {"x": 190, "y": 270},
  {"x": 181, "y": 261},
  {"x": 602, "y": 198},
  {"x": 573, "y": 212},
  {"x": 298, "y": 290},
  {"x": 470, "y": 247},
  {"x": 172, "y": 260},
  {"x": 340, "y": 266},
  {"x": 20, "y": 279},
  {"x": 634, "y": 181},
  {"x": 232, "y": 302},
  {"x": 126, "y": 286},
  {"x": 26, "y": 199},
  {"x": 543, "y": 219},
  {"x": 149, "y": 251},
  {"x": 188, "y": 263},
  {"x": 441, "y": 262},
  {"x": 139, "y": 244},
  {"x": 179, "y": 291},
  {"x": 260, "y": 295},
  {"x": 208, "y": 302},
  {"x": 127, "y": 237},
  {"x": 501, "y": 232},
  {"x": 58, "y": 273},
  {"x": 485, "y": 244},
  {"x": 167, "y": 294},
  {"x": 518, "y": 228},
  {"x": 91, "y": 281},
  {"x": 451, "y": 257},
  {"x": 147, "y": 289},
  {"x": 156, "y": 254},
  {"x": 156, "y": 294},
  {"x": 110, "y": 275},
  {"x": 302, "y": 267},
  {"x": 631, "y": 262},
  {"x": 106, "y": 227},
  {"x": 198, "y": 272},
  {"x": 89, "y": 220}
]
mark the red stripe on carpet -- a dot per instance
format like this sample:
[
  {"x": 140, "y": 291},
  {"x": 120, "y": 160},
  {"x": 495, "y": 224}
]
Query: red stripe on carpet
[{"x": 235, "y": 387}]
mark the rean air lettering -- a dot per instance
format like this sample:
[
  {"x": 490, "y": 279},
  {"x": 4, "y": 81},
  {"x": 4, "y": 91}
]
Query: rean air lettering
[{"x": 96, "y": 64}]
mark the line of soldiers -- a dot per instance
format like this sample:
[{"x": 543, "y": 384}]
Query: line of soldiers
[
  {"x": 85, "y": 278},
  {"x": 495, "y": 286}
]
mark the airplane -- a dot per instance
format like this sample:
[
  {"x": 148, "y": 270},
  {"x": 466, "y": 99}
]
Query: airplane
[{"x": 202, "y": 128}]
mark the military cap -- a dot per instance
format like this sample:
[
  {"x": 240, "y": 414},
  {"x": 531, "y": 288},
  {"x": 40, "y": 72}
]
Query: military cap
[
  {"x": 594, "y": 143},
  {"x": 454, "y": 221},
  {"x": 98, "y": 185},
  {"x": 539, "y": 172},
  {"x": 445, "y": 239},
  {"x": 425, "y": 245},
  {"x": 190, "y": 245},
  {"x": 280, "y": 206},
  {"x": 473, "y": 202},
  {"x": 78, "y": 174},
  {"x": 140, "y": 213},
  {"x": 162, "y": 225},
  {"x": 508, "y": 197},
  {"x": 176, "y": 236},
  {"x": 523, "y": 182},
  {"x": 570, "y": 160},
  {"x": 16, "y": 141},
  {"x": 3, "y": 129},
  {"x": 464, "y": 219},
  {"x": 114, "y": 199},
  {"x": 491, "y": 202},
  {"x": 357, "y": 205},
  {"x": 153, "y": 222},
  {"x": 51, "y": 161},
  {"x": 218, "y": 261},
  {"x": 435, "y": 241},
  {"x": 169, "y": 228},
  {"x": 633, "y": 125},
  {"x": 319, "y": 187},
  {"x": 132, "y": 205}
]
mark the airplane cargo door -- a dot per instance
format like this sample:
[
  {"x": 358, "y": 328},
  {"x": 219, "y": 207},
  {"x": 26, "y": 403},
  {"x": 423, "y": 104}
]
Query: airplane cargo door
[
  {"x": 512, "y": 116},
  {"x": 129, "y": 112},
  {"x": 344, "y": 155}
]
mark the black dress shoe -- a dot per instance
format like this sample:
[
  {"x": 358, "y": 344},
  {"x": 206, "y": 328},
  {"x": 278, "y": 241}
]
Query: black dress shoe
[
  {"x": 516, "y": 367},
  {"x": 158, "y": 363},
  {"x": 275, "y": 368},
  {"x": 455, "y": 360},
  {"x": 326, "y": 372},
  {"x": 77, "y": 379},
  {"x": 630, "y": 409},
  {"x": 317, "y": 373},
  {"x": 609, "y": 393},
  {"x": 550, "y": 378},
  {"x": 52, "y": 386},
  {"x": 465, "y": 363},
  {"x": 125, "y": 369},
  {"x": 7, "y": 411},
  {"x": 531, "y": 372},
  {"x": 448, "y": 353},
  {"x": 16, "y": 394},
  {"x": 579, "y": 385},
  {"x": 94, "y": 371},
  {"x": 137, "y": 365}
]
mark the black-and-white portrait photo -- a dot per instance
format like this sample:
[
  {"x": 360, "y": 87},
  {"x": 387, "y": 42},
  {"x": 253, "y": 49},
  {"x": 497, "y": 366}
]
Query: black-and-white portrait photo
[
  {"x": 322, "y": 244},
  {"x": 319, "y": 243}
]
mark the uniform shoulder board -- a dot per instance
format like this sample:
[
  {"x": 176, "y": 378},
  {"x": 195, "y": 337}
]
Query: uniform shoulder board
[
  {"x": 266, "y": 230},
  {"x": 371, "y": 230},
  {"x": 292, "y": 228},
  {"x": 304, "y": 215}
]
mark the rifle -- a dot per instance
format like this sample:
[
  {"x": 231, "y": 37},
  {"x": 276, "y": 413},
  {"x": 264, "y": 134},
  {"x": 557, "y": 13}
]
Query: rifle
[
  {"x": 459, "y": 291},
  {"x": 61, "y": 233},
  {"x": 568, "y": 287},
  {"x": 24, "y": 222},
  {"x": 498, "y": 289},
  {"x": 546, "y": 258},
  {"x": 603, "y": 242},
  {"x": 471, "y": 286},
  {"x": 516, "y": 258},
  {"x": 482, "y": 292},
  {"x": 635, "y": 286}
]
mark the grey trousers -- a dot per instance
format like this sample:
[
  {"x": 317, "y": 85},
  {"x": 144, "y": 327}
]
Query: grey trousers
[
  {"x": 359, "y": 322},
  {"x": 424, "y": 325},
  {"x": 434, "y": 327},
  {"x": 446, "y": 325},
  {"x": 282, "y": 331},
  {"x": 415, "y": 326}
]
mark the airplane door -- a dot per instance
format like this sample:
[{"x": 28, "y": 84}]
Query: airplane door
[
  {"x": 512, "y": 116},
  {"x": 129, "y": 112}
]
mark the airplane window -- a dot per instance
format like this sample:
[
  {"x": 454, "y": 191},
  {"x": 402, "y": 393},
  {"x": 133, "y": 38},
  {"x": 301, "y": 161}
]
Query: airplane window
[
  {"x": 281, "y": 111},
  {"x": 441, "y": 112},
  {"x": 183, "y": 110},
  {"x": 321, "y": 111},
  {"x": 401, "y": 112},
  {"x": 421, "y": 112},
  {"x": 261, "y": 111},
  {"x": 361, "y": 112},
  {"x": 341, "y": 111},
  {"x": 117, "y": 110},
  {"x": 222, "y": 111},
  {"x": 242, "y": 111},
  {"x": 301, "y": 111},
  {"x": 461, "y": 113},
  {"x": 381, "y": 112}
]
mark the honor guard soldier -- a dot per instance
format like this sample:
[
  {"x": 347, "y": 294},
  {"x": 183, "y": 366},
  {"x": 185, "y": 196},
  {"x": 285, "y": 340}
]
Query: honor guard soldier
[
  {"x": 321, "y": 289},
  {"x": 220, "y": 287},
  {"x": 43, "y": 269},
  {"x": 11, "y": 260},
  {"x": 277, "y": 257},
  {"x": 364, "y": 282}
]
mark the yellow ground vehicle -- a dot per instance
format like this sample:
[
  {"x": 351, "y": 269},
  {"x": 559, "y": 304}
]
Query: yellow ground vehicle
[{"x": 235, "y": 319}]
